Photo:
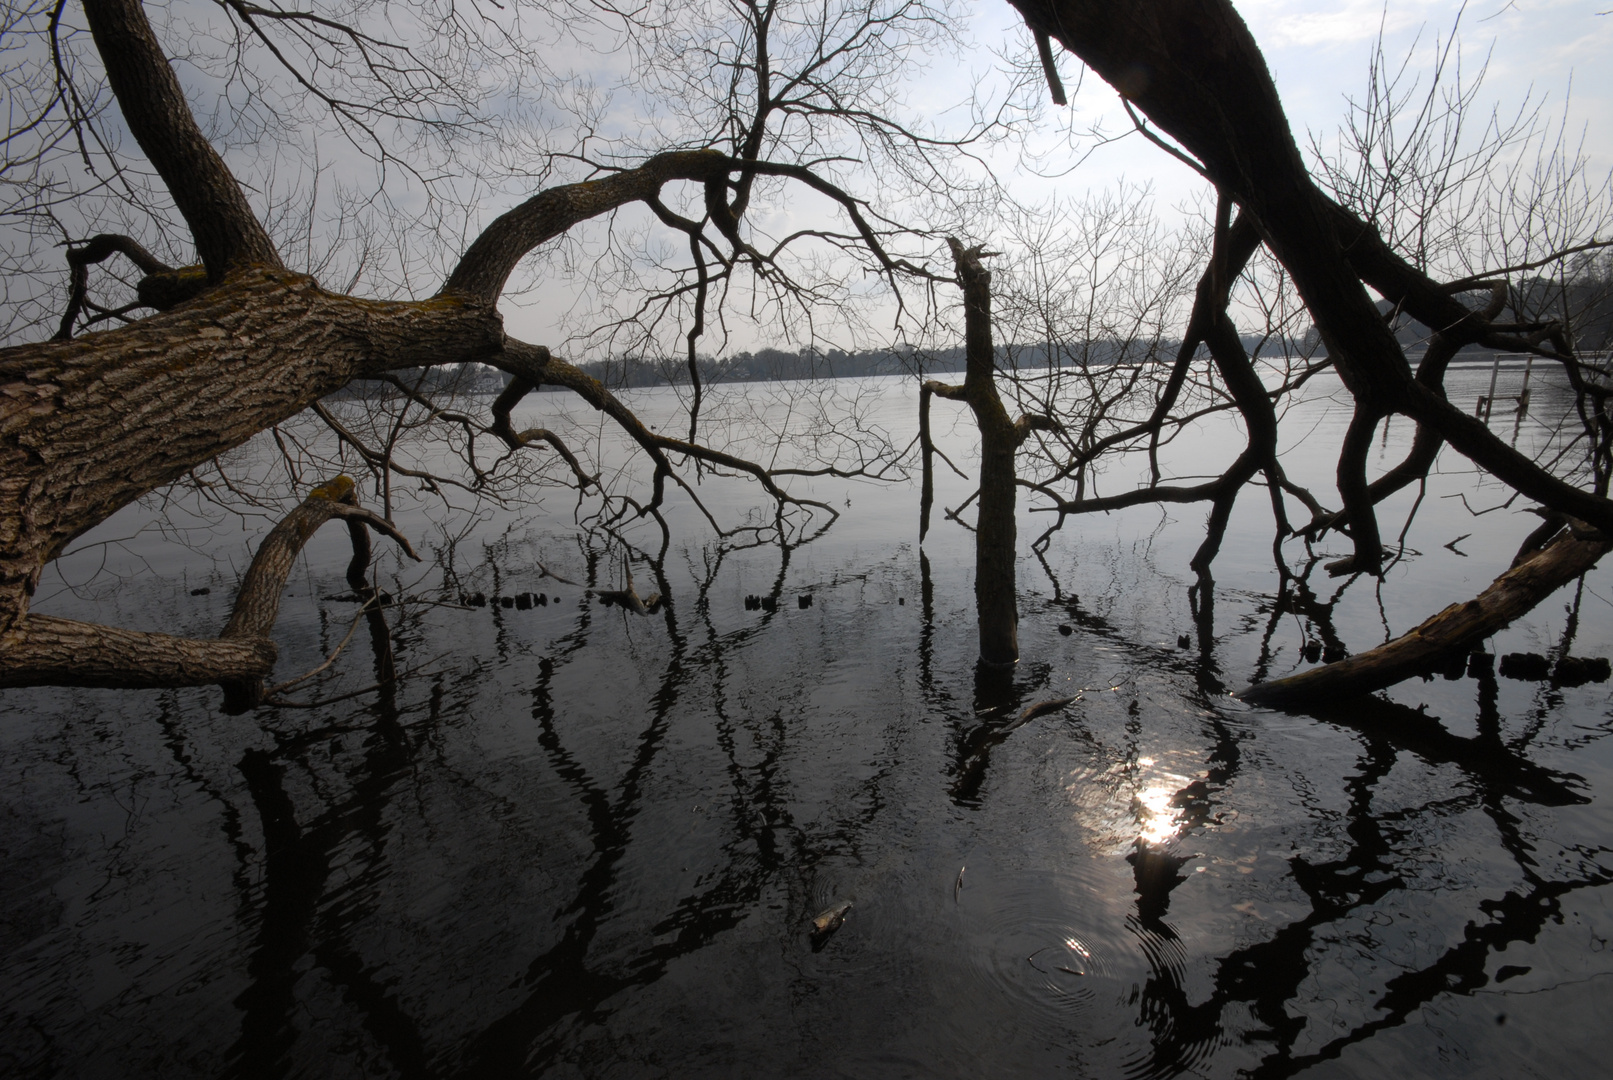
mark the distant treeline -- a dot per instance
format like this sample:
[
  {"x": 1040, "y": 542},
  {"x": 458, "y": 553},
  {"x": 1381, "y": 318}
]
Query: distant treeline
[
  {"x": 771, "y": 365},
  {"x": 1586, "y": 296},
  {"x": 777, "y": 365}
]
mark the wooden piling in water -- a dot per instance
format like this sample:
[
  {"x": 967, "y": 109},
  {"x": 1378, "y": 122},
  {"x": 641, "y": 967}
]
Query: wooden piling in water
[{"x": 1489, "y": 399}]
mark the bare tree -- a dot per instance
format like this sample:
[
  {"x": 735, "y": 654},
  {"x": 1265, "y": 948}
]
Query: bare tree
[
  {"x": 1403, "y": 206},
  {"x": 1000, "y": 438},
  {"x": 241, "y": 343},
  {"x": 1426, "y": 198}
]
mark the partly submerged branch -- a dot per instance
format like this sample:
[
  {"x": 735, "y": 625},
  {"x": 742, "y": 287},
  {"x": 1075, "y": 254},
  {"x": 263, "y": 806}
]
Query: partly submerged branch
[
  {"x": 89, "y": 425},
  {"x": 47, "y": 651},
  {"x": 42, "y": 650},
  {"x": 1460, "y": 626}
]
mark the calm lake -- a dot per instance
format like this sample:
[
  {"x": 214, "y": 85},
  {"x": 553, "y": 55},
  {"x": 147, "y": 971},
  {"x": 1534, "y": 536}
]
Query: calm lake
[{"x": 578, "y": 842}]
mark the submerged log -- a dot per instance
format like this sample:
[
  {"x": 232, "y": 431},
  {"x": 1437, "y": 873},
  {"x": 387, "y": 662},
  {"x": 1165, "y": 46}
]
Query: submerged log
[
  {"x": 1535, "y": 575},
  {"x": 1041, "y": 708}
]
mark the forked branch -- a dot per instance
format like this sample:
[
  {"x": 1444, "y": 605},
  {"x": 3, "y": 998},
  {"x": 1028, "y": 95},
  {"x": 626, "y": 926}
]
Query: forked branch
[
  {"x": 228, "y": 235},
  {"x": 42, "y": 650}
]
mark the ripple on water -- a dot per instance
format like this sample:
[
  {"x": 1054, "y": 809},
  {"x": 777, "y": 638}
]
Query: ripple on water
[{"x": 1052, "y": 944}]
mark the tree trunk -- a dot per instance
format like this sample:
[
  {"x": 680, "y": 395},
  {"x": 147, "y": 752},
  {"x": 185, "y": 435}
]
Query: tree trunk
[
  {"x": 1194, "y": 69},
  {"x": 995, "y": 542},
  {"x": 88, "y": 426},
  {"x": 996, "y": 603}
]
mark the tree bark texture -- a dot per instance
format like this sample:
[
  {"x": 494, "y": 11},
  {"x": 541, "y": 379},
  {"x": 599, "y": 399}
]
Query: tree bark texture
[
  {"x": 42, "y": 650},
  {"x": 47, "y": 651},
  {"x": 88, "y": 426}
]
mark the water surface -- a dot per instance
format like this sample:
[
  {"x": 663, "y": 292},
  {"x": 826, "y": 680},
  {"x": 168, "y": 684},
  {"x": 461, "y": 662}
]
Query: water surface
[{"x": 576, "y": 842}]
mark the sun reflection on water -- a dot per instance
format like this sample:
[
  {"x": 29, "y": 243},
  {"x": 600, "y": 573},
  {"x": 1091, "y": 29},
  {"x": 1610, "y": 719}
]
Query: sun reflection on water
[
  {"x": 1138, "y": 799},
  {"x": 1156, "y": 817}
]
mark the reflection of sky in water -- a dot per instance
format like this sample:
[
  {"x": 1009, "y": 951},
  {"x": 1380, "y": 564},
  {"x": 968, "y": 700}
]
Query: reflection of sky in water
[
  {"x": 588, "y": 843},
  {"x": 1137, "y": 799}
]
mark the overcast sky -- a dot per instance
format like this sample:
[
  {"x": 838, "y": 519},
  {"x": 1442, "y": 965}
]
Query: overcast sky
[{"x": 1319, "y": 54}]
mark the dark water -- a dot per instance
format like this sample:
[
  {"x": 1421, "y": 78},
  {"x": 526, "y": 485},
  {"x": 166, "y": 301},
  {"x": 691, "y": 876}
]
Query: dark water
[{"x": 575, "y": 842}]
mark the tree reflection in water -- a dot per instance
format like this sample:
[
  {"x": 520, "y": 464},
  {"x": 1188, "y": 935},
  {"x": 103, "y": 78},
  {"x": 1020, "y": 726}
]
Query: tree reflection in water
[
  {"x": 431, "y": 882},
  {"x": 1269, "y": 976}
]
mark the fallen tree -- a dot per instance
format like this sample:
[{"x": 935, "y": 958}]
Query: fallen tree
[
  {"x": 1537, "y": 572},
  {"x": 240, "y": 343}
]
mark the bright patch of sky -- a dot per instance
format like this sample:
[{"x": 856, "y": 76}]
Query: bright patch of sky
[{"x": 1318, "y": 53}]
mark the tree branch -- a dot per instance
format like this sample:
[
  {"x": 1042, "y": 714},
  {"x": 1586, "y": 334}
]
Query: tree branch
[
  {"x": 1458, "y": 627},
  {"x": 228, "y": 235},
  {"x": 492, "y": 256}
]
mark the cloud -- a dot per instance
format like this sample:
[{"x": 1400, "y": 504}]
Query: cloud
[{"x": 1294, "y": 23}]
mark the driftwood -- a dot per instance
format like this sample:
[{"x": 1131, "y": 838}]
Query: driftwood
[
  {"x": 1535, "y": 574},
  {"x": 1041, "y": 708},
  {"x": 630, "y": 599}
]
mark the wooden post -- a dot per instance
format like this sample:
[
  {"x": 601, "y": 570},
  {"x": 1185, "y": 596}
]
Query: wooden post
[{"x": 1489, "y": 399}]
